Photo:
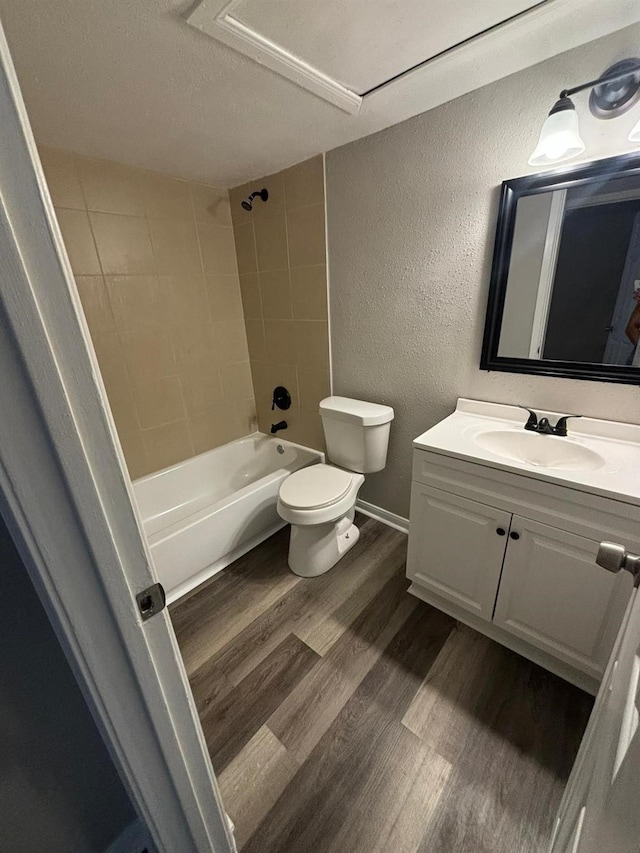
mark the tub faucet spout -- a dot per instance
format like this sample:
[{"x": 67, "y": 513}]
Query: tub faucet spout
[{"x": 277, "y": 427}]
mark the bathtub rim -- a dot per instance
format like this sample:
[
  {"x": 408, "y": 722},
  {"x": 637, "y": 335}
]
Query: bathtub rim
[
  {"x": 208, "y": 510},
  {"x": 272, "y": 438}
]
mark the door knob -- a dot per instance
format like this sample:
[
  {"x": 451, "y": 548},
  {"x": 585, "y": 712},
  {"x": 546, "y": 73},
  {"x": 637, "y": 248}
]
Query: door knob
[
  {"x": 500, "y": 531},
  {"x": 614, "y": 558},
  {"x": 514, "y": 535}
]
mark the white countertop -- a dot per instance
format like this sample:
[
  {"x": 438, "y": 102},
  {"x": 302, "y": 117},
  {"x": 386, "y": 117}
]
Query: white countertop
[{"x": 617, "y": 443}]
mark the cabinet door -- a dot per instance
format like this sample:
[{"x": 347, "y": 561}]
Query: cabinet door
[
  {"x": 456, "y": 548},
  {"x": 553, "y": 595}
]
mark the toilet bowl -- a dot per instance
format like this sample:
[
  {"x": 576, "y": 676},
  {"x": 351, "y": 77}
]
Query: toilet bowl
[{"x": 319, "y": 501}]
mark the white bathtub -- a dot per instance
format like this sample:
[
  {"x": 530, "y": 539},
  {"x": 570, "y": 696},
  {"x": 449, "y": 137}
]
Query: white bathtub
[{"x": 202, "y": 514}]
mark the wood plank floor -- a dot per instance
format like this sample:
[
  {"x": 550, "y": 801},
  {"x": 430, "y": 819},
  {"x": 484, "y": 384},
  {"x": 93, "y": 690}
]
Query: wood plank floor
[{"x": 342, "y": 714}]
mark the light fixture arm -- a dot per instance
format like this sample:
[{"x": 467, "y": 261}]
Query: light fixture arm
[
  {"x": 615, "y": 91},
  {"x": 605, "y": 78}
]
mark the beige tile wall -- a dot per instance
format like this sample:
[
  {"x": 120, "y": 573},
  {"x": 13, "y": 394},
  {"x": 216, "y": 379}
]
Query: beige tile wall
[
  {"x": 155, "y": 264},
  {"x": 281, "y": 250}
]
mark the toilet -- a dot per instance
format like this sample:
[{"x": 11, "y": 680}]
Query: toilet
[{"x": 319, "y": 501}]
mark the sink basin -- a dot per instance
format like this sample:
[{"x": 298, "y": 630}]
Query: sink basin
[
  {"x": 597, "y": 457},
  {"x": 542, "y": 451}
]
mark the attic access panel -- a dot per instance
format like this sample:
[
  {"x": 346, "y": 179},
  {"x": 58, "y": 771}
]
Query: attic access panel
[{"x": 342, "y": 50}]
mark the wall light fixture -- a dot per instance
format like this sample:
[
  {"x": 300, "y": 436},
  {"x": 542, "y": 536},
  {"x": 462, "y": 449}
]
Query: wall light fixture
[{"x": 615, "y": 92}]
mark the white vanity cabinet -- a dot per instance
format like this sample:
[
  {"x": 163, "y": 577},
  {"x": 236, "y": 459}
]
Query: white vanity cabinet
[
  {"x": 456, "y": 548},
  {"x": 514, "y": 557},
  {"x": 553, "y": 595}
]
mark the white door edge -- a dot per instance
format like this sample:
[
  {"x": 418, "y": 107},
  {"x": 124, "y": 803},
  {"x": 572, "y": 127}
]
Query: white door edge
[
  {"x": 547, "y": 273},
  {"x": 65, "y": 496}
]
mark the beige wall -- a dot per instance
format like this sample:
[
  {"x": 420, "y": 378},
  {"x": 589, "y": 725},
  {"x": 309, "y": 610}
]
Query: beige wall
[
  {"x": 411, "y": 217},
  {"x": 154, "y": 260},
  {"x": 281, "y": 253}
]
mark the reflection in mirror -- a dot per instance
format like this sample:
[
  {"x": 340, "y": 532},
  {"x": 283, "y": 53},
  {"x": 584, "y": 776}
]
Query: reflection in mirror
[{"x": 573, "y": 284}]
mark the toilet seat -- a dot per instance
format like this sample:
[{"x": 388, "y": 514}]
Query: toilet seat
[
  {"x": 315, "y": 487},
  {"x": 318, "y": 494}
]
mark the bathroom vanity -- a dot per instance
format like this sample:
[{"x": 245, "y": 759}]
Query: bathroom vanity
[{"x": 505, "y": 525}]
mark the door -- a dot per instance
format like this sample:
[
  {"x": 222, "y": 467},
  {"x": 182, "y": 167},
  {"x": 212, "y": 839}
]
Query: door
[
  {"x": 554, "y": 596},
  {"x": 599, "y": 811},
  {"x": 456, "y": 548},
  {"x": 66, "y": 499}
]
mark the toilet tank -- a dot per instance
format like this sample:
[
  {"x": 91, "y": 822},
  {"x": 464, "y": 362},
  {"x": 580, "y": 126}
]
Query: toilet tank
[{"x": 356, "y": 432}]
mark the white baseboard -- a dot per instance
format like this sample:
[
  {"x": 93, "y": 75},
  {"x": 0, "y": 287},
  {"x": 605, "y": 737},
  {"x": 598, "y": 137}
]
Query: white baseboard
[
  {"x": 133, "y": 839},
  {"x": 383, "y": 515}
]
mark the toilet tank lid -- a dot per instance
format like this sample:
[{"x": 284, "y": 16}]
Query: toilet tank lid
[{"x": 355, "y": 411}]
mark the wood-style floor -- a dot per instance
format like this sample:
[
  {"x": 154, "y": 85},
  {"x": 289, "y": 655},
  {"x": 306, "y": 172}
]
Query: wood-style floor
[{"x": 342, "y": 714}]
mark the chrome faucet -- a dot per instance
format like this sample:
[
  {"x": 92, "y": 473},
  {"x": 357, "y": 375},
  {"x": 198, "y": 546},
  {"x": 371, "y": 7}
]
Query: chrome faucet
[{"x": 543, "y": 426}]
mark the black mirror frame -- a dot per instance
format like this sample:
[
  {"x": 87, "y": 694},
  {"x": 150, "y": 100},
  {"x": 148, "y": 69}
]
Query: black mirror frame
[{"x": 512, "y": 190}]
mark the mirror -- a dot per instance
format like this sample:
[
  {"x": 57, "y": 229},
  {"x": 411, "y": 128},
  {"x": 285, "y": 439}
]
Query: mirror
[{"x": 564, "y": 298}]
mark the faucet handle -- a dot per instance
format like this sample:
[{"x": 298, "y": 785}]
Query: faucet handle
[
  {"x": 532, "y": 422},
  {"x": 281, "y": 398},
  {"x": 561, "y": 427}
]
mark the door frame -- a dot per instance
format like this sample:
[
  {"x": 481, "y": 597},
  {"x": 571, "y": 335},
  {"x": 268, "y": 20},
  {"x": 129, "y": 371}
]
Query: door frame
[
  {"x": 66, "y": 497},
  {"x": 547, "y": 273}
]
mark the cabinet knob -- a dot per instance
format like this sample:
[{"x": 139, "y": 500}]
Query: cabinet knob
[
  {"x": 500, "y": 531},
  {"x": 514, "y": 535}
]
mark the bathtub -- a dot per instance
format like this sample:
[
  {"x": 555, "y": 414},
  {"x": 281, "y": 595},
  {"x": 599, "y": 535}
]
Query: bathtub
[{"x": 202, "y": 514}]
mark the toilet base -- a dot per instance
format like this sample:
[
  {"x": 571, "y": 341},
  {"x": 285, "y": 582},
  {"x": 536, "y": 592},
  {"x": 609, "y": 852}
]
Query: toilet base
[{"x": 316, "y": 548}]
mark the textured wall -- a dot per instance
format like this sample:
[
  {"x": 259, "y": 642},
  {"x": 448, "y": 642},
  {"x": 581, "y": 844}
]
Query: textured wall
[
  {"x": 411, "y": 217},
  {"x": 281, "y": 249},
  {"x": 59, "y": 790},
  {"x": 154, "y": 261}
]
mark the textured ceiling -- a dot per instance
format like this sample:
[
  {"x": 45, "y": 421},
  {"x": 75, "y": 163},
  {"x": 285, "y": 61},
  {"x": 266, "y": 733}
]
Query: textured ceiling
[{"x": 130, "y": 81}]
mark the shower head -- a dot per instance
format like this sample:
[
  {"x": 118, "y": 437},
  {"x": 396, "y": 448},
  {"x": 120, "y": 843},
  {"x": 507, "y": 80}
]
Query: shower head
[{"x": 247, "y": 204}]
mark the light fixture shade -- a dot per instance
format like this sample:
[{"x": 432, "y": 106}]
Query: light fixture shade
[
  {"x": 634, "y": 136},
  {"x": 560, "y": 136}
]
